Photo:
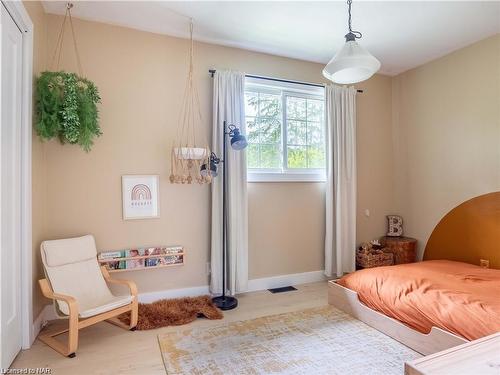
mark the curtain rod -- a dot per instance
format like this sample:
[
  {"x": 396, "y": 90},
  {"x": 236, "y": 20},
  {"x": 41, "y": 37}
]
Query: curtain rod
[{"x": 212, "y": 72}]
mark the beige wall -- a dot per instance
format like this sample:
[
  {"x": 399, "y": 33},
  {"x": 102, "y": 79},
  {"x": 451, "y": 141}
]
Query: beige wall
[
  {"x": 286, "y": 228},
  {"x": 446, "y": 123},
  {"x": 39, "y": 185},
  {"x": 374, "y": 158},
  {"x": 141, "y": 76}
]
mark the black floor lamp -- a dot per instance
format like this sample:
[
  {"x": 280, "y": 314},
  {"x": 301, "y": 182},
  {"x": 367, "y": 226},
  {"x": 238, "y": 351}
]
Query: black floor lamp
[{"x": 238, "y": 142}]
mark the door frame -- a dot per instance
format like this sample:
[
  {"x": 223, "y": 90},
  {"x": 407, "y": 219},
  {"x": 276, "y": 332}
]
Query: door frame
[{"x": 23, "y": 21}]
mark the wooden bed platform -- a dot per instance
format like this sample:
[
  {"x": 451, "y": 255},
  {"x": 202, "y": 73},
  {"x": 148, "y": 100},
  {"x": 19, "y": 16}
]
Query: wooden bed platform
[
  {"x": 468, "y": 233},
  {"x": 347, "y": 300}
]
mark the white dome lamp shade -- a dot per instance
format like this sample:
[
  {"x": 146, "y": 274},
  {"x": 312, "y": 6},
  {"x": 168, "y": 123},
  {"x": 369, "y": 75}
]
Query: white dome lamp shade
[{"x": 352, "y": 63}]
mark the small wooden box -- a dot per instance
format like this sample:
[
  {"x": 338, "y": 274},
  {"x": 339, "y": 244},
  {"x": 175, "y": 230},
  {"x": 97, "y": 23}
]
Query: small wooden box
[{"x": 403, "y": 248}]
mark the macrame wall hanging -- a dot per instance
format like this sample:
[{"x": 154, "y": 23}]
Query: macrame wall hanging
[{"x": 190, "y": 148}]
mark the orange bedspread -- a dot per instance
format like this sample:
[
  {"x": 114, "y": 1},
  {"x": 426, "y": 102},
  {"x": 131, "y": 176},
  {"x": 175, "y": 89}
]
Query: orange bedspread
[{"x": 458, "y": 297}]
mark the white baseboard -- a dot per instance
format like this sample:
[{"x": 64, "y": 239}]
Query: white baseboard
[
  {"x": 38, "y": 323},
  {"x": 285, "y": 280},
  {"x": 47, "y": 313},
  {"x": 173, "y": 293},
  {"x": 254, "y": 285}
]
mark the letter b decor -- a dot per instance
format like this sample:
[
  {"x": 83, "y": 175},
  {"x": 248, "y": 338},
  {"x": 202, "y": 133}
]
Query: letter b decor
[{"x": 394, "y": 225}]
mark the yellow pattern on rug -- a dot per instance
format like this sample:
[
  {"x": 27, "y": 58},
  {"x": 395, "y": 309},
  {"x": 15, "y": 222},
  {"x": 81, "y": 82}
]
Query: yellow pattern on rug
[{"x": 322, "y": 340}]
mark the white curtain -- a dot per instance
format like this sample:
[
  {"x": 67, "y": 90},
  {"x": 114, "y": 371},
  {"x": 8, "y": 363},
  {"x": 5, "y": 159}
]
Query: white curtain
[
  {"x": 340, "y": 238},
  {"x": 228, "y": 105}
]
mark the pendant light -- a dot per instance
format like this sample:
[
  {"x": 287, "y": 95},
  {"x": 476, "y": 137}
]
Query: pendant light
[{"x": 352, "y": 63}]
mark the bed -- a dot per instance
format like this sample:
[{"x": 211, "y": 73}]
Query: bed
[{"x": 438, "y": 303}]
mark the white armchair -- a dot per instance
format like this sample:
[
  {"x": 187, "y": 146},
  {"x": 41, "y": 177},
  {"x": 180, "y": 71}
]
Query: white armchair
[{"x": 79, "y": 288}]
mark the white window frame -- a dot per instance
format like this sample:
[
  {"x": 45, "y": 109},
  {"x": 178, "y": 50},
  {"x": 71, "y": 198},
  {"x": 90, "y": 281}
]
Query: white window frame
[{"x": 285, "y": 174}]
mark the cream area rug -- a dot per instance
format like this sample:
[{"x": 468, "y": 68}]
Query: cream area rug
[{"x": 321, "y": 340}]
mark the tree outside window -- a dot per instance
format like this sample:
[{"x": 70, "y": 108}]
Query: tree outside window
[{"x": 285, "y": 130}]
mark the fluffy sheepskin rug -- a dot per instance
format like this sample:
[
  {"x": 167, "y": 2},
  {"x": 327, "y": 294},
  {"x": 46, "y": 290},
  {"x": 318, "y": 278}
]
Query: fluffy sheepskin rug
[{"x": 173, "y": 312}]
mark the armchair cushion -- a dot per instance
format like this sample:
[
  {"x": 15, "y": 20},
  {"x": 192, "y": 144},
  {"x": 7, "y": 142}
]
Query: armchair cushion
[
  {"x": 68, "y": 251},
  {"x": 72, "y": 269},
  {"x": 103, "y": 306}
]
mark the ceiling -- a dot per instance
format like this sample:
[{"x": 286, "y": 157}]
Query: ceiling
[{"x": 402, "y": 35}]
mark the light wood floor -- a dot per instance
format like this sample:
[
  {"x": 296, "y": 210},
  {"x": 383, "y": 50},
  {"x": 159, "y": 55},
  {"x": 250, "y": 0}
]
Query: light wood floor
[{"x": 106, "y": 349}]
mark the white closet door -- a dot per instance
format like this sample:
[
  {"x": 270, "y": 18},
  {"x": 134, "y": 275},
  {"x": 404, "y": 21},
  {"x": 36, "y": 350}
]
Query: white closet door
[{"x": 10, "y": 189}]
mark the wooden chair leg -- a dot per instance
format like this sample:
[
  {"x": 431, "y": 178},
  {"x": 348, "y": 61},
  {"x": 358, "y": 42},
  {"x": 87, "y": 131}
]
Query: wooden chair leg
[
  {"x": 117, "y": 322},
  {"x": 53, "y": 343},
  {"x": 68, "y": 350},
  {"x": 73, "y": 333},
  {"x": 134, "y": 314}
]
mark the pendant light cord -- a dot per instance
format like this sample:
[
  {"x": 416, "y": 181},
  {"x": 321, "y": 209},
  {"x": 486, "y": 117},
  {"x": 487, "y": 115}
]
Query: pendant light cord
[
  {"x": 356, "y": 34},
  {"x": 191, "y": 49}
]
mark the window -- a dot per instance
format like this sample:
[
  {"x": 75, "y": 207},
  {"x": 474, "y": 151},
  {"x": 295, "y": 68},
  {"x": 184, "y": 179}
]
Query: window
[{"x": 285, "y": 130}]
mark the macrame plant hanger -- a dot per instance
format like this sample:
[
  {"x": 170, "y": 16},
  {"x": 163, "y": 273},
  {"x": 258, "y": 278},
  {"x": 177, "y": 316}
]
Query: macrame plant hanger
[
  {"x": 54, "y": 65},
  {"x": 187, "y": 155}
]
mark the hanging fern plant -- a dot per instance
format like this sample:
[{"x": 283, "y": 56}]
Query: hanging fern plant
[
  {"x": 67, "y": 108},
  {"x": 66, "y": 103}
]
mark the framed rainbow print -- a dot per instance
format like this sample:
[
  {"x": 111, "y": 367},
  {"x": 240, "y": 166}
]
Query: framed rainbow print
[{"x": 140, "y": 196}]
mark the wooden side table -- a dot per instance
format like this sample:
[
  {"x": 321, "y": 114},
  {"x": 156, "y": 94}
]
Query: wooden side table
[
  {"x": 480, "y": 356},
  {"x": 403, "y": 248}
]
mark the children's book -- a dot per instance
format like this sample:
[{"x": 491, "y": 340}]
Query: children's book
[
  {"x": 171, "y": 259},
  {"x": 116, "y": 265},
  {"x": 174, "y": 250},
  {"x": 135, "y": 263},
  {"x": 111, "y": 255}
]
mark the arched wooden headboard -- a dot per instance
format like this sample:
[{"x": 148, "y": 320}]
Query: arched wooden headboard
[{"x": 469, "y": 232}]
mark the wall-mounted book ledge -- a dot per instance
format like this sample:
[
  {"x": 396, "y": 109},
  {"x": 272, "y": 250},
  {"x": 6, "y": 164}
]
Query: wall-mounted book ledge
[{"x": 142, "y": 258}]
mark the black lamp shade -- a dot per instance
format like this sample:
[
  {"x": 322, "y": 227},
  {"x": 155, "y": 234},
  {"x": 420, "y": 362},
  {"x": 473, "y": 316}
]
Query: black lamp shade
[
  {"x": 213, "y": 170},
  {"x": 238, "y": 141}
]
